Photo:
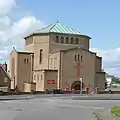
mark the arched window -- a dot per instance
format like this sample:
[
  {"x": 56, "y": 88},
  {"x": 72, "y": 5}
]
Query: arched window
[
  {"x": 78, "y": 57},
  {"x": 67, "y": 40},
  {"x": 72, "y": 40},
  {"x": 41, "y": 56},
  {"x": 62, "y": 40},
  {"x": 41, "y": 77},
  {"x": 75, "y": 57},
  {"x": 57, "y": 39},
  {"x": 81, "y": 57},
  {"x": 25, "y": 60},
  {"x": 76, "y": 41}
]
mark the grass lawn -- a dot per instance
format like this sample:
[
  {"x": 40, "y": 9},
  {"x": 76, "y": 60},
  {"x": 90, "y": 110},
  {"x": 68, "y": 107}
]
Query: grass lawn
[{"x": 116, "y": 111}]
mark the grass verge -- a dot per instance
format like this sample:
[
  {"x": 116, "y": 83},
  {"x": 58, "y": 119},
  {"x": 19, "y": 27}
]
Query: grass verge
[{"x": 116, "y": 111}]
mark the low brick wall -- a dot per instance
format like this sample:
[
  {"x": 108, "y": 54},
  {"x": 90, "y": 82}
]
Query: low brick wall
[
  {"x": 50, "y": 92},
  {"x": 109, "y": 92},
  {"x": 103, "y": 92}
]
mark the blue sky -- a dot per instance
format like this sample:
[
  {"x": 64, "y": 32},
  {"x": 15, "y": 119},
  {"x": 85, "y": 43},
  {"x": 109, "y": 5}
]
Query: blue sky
[{"x": 98, "y": 19}]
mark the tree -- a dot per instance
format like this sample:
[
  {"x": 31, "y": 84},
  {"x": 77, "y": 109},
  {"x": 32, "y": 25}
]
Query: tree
[{"x": 115, "y": 79}]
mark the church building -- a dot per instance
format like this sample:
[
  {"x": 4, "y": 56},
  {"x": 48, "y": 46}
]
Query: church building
[{"x": 56, "y": 56}]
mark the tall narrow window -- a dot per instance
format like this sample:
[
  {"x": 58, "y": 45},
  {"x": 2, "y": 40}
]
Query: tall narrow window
[
  {"x": 62, "y": 40},
  {"x": 78, "y": 57},
  {"x": 37, "y": 77},
  {"x": 41, "y": 56},
  {"x": 75, "y": 57},
  {"x": 41, "y": 77},
  {"x": 25, "y": 60},
  {"x": 34, "y": 77},
  {"x": 72, "y": 40},
  {"x": 67, "y": 40},
  {"x": 81, "y": 58},
  {"x": 55, "y": 62},
  {"x": 57, "y": 39},
  {"x": 76, "y": 41},
  {"x": 51, "y": 61}
]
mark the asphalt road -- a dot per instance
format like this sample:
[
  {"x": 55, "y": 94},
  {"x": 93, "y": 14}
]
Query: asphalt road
[{"x": 52, "y": 108}]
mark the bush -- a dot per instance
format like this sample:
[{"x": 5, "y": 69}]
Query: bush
[{"x": 57, "y": 91}]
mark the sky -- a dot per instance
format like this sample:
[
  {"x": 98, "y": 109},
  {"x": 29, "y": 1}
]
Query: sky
[{"x": 98, "y": 19}]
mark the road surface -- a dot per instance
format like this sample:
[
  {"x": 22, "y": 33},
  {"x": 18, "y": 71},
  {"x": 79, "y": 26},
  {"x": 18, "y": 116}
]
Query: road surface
[{"x": 52, "y": 108}]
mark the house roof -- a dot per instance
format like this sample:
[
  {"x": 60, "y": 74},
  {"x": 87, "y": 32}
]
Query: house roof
[
  {"x": 74, "y": 48},
  {"x": 58, "y": 28},
  {"x": 24, "y": 52},
  {"x": 20, "y": 52}
]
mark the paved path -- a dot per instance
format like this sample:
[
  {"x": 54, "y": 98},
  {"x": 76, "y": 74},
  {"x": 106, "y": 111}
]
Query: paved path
[
  {"x": 52, "y": 108},
  {"x": 104, "y": 115}
]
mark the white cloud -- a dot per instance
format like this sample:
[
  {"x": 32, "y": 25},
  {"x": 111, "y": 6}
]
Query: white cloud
[
  {"x": 27, "y": 24},
  {"x": 6, "y": 6},
  {"x": 12, "y": 32},
  {"x": 111, "y": 59}
]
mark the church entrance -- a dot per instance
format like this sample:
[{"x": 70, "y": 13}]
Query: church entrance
[{"x": 77, "y": 85}]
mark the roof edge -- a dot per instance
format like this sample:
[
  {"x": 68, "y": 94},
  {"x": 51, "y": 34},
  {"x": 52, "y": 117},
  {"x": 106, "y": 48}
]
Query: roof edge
[{"x": 47, "y": 33}]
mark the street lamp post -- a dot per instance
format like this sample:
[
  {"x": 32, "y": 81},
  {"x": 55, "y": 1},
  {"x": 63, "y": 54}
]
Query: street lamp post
[
  {"x": 81, "y": 86},
  {"x": 80, "y": 75}
]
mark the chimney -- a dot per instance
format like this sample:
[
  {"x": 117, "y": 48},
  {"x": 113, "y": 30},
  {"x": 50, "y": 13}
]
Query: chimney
[{"x": 5, "y": 66}]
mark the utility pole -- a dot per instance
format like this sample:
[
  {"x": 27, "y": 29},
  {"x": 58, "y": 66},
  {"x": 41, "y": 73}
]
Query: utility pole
[
  {"x": 81, "y": 80},
  {"x": 80, "y": 85}
]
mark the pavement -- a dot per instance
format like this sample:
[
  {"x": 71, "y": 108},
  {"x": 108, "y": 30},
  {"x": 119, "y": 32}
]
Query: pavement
[
  {"x": 53, "y": 107},
  {"x": 104, "y": 114},
  {"x": 63, "y": 96},
  {"x": 98, "y": 97}
]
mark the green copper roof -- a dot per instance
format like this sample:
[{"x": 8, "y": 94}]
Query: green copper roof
[{"x": 58, "y": 28}]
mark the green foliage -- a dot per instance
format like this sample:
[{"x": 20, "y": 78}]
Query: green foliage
[
  {"x": 114, "y": 78},
  {"x": 116, "y": 111}
]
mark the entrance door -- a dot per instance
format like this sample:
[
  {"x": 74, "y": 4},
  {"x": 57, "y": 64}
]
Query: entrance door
[{"x": 77, "y": 85}]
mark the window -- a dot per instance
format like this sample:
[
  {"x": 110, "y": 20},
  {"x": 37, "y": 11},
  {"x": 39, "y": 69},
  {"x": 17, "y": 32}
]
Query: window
[
  {"x": 34, "y": 77},
  {"x": 37, "y": 77},
  {"x": 67, "y": 40},
  {"x": 57, "y": 39},
  {"x": 41, "y": 77},
  {"x": 72, "y": 40},
  {"x": 41, "y": 56},
  {"x": 75, "y": 57},
  {"x": 78, "y": 57},
  {"x": 76, "y": 41},
  {"x": 81, "y": 58},
  {"x": 51, "y": 61},
  {"x": 25, "y": 60},
  {"x": 62, "y": 40},
  {"x": 55, "y": 61}
]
